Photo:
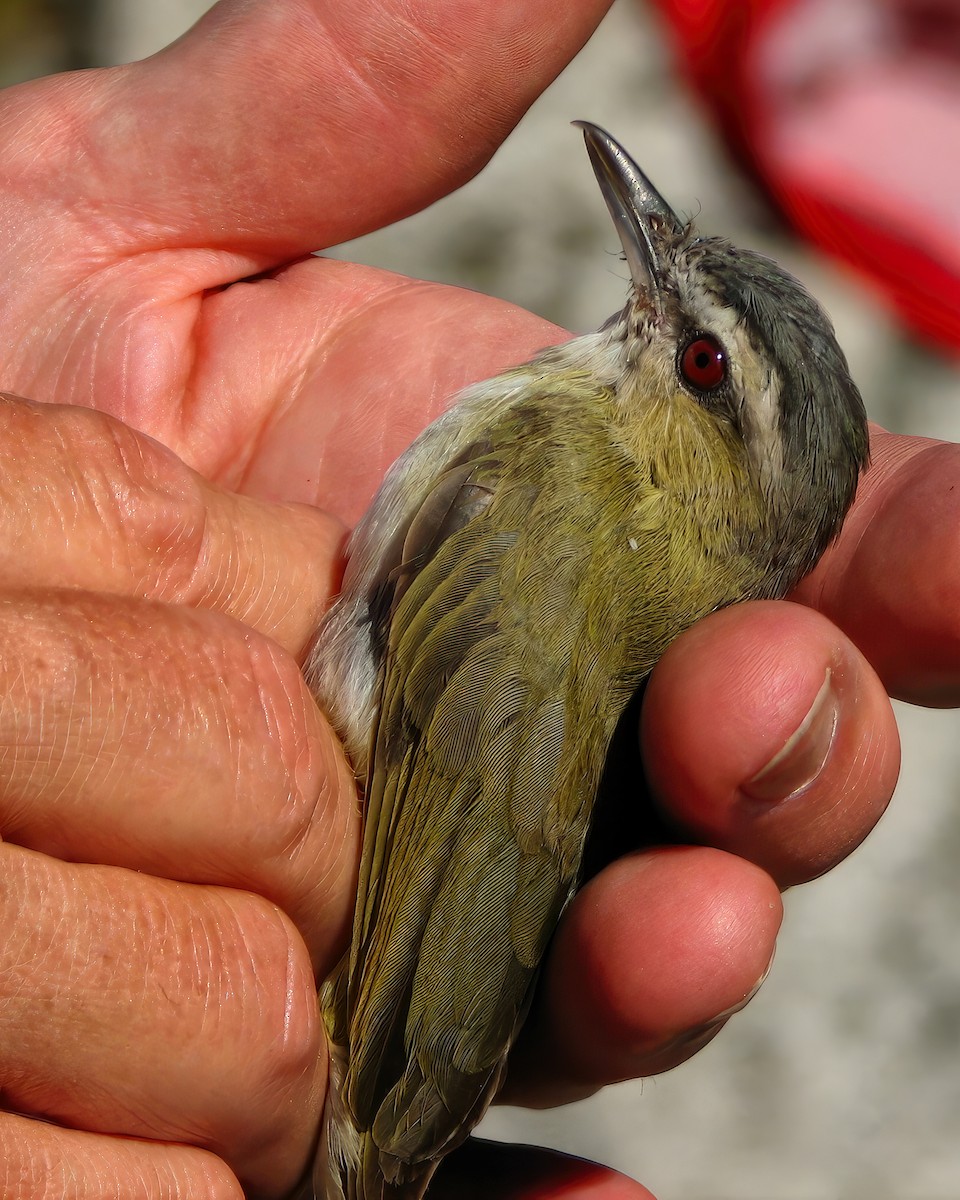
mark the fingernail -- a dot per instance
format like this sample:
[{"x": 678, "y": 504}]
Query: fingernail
[
  {"x": 741, "y": 1004},
  {"x": 715, "y": 1024},
  {"x": 801, "y": 760}
]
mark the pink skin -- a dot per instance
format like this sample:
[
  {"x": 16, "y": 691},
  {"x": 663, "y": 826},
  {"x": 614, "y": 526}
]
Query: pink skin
[{"x": 179, "y": 824}]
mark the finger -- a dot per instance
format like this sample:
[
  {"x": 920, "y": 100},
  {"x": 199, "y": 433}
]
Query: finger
[
  {"x": 134, "y": 1006},
  {"x": 39, "y": 1161},
  {"x": 893, "y": 580},
  {"x": 765, "y": 732},
  {"x": 177, "y": 743},
  {"x": 652, "y": 957},
  {"x": 480, "y": 1170},
  {"x": 336, "y": 98},
  {"x": 88, "y": 503}
]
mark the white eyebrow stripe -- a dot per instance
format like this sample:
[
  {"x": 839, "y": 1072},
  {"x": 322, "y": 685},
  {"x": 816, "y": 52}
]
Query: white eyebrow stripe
[{"x": 757, "y": 385}]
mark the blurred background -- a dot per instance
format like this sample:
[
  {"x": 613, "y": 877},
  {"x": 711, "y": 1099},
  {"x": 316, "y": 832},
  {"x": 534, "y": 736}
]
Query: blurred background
[{"x": 841, "y": 1080}]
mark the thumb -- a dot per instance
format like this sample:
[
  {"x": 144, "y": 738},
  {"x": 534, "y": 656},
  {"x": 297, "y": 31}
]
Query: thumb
[{"x": 278, "y": 117}]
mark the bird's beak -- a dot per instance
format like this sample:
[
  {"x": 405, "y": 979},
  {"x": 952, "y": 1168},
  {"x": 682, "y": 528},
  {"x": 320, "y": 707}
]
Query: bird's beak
[{"x": 644, "y": 220}]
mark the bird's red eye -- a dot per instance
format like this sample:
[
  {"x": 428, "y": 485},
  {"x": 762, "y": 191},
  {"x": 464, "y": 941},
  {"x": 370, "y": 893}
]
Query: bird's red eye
[{"x": 703, "y": 363}]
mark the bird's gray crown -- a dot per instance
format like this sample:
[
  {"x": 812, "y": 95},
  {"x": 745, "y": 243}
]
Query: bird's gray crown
[{"x": 797, "y": 338}]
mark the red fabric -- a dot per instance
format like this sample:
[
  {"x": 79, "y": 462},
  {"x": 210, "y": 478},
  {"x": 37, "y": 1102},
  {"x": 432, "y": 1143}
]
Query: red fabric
[{"x": 848, "y": 112}]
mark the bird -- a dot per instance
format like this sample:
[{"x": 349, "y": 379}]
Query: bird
[{"x": 519, "y": 573}]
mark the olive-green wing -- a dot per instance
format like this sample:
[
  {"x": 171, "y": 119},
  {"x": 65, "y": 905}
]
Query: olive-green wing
[{"x": 473, "y": 825}]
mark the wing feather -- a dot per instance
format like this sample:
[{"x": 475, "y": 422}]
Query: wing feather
[{"x": 463, "y": 881}]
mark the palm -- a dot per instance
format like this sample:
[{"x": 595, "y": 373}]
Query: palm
[
  {"x": 320, "y": 407},
  {"x": 303, "y": 385},
  {"x": 311, "y": 365}
]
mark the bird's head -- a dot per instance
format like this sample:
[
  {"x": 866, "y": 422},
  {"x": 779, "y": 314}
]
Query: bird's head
[{"x": 730, "y": 341}]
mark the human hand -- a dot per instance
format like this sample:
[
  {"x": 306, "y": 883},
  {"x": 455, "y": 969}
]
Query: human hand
[{"x": 127, "y": 317}]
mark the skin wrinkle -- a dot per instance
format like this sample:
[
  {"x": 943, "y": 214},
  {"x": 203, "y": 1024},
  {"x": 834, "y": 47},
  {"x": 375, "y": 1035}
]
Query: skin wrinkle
[
  {"x": 311, "y": 800},
  {"x": 71, "y": 754},
  {"x": 125, "y": 358},
  {"x": 241, "y": 991},
  {"x": 378, "y": 436},
  {"x": 113, "y": 730},
  {"x": 67, "y": 376},
  {"x": 86, "y": 741},
  {"x": 336, "y": 877},
  {"x": 191, "y": 352},
  {"x": 227, "y": 582},
  {"x": 263, "y": 589},
  {"x": 154, "y": 495},
  {"x": 311, "y": 788},
  {"x": 266, "y": 592},
  {"x": 68, "y": 518},
  {"x": 88, "y": 364},
  {"x": 71, "y": 1166},
  {"x": 307, "y": 808},
  {"x": 343, "y": 327},
  {"x": 107, "y": 498},
  {"x": 14, "y": 713},
  {"x": 232, "y": 737},
  {"x": 190, "y": 547},
  {"x": 184, "y": 531},
  {"x": 869, "y": 761},
  {"x": 57, "y": 127},
  {"x": 97, "y": 491},
  {"x": 127, "y": 370},
  {"x": 370, "y": 83},
  {"x": 82, "y": 734},
  {"x": 37, "y": 944},
  {"x": 289, "y": 997},
  {"x": 288, "y": 604},
  {"x": 190, "y": 968},
  {"x": 267, "y": 679},
  {"x": 17, "y": 952},
  {"x": 392, "y": 73},
  {"x": 22, "y": 242},
  {"x": 207, "y": 941},
  {"x": 289, "y": 386}
]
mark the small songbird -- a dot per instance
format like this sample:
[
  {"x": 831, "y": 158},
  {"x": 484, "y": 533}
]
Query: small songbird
[{"x": 522, "y": 568}]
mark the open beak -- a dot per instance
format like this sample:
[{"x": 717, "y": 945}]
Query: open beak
[{"x": 644, "y": 221}]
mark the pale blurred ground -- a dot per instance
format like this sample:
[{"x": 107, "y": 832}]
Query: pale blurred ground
[{"x": 841, "y": 1081}]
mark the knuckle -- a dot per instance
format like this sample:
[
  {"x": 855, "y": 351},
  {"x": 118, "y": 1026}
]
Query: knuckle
[
  {"x": 296, "y": 843},
  {"x": 290, "y": 736},
  {"x": 279, "y": 1004},
  {"x": 145, "y": 497},
  {"x": 81, "y": 475},
  {"x": 305, "y": 824}
]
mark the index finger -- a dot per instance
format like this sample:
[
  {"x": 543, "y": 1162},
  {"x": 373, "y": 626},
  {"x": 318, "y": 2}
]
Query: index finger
[
  {"x": 892, "y": 582},
  {"x": 89, "y": 504}
]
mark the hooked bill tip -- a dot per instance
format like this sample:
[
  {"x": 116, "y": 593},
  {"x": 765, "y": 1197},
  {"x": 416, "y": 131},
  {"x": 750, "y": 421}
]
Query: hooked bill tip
[
  {"x": 615, "y": 167},
  {"x": 642, "y": 217}
]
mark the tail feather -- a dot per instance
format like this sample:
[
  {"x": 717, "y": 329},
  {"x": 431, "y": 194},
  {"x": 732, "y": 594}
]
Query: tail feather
[{"x": 349, "y": 1164}]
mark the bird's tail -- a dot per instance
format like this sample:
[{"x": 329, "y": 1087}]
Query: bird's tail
[
  {"x": 340, "y": 1152},
  {"x": 349, "y": 1164}
]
